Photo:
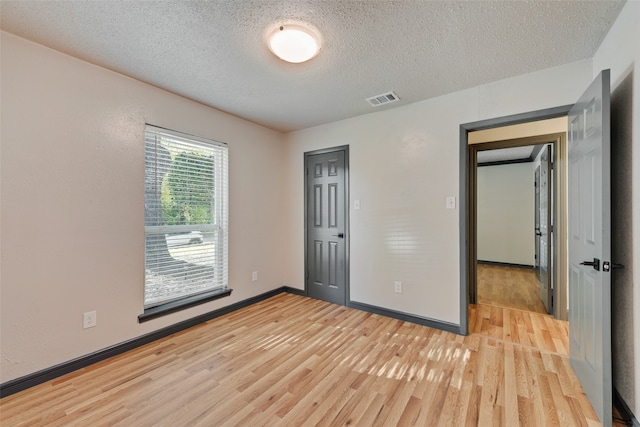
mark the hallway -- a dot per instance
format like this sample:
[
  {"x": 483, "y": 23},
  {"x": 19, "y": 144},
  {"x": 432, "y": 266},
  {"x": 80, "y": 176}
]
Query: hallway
[{"x": 509, "y": 287}]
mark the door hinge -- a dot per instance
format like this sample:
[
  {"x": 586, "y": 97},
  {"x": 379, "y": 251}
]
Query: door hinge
[{"x": 551, "y": 228}]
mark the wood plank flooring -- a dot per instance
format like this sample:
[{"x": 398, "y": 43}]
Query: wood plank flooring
[
  {"x": 540, "y": 331},
  {"x": 295, "y": 361},
  {"x": 509, "y": 287}
]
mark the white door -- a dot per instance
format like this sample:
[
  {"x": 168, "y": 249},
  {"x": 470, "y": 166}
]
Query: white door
[{"x": 590, "y": 245}]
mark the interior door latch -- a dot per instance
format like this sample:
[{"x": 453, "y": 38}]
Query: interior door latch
[
  {"x": 606, "y": 266},
  {"x": 595, "y": 264}
]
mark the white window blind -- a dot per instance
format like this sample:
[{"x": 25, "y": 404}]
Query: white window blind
[{"x": 185, "y": 216}]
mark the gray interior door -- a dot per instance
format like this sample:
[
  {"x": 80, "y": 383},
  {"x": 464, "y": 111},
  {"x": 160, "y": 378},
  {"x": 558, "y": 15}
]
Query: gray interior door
[
  {"x": 326, "y": 229},
  {"x": 536, "y": 186},
  {"x": 590, "y": 245},
  {"x": 546, "y": 292}
]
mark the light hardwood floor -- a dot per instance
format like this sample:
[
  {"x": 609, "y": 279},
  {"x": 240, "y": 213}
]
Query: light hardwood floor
[
  {"x": 295, "y": 361},
  {"x": 535, "y": 330},
  {"x": 509, "y": 287}
]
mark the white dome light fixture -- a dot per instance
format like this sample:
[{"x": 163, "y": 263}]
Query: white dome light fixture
[{"x": 294, "y": 43}]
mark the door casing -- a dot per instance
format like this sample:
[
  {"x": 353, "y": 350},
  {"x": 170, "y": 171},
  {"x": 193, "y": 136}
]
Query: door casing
[
  {"x": 345, "y": 149},
  {"x": 467, "y": 167}
]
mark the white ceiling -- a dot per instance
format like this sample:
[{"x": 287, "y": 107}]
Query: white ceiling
[{"x": 215, "y": 52}]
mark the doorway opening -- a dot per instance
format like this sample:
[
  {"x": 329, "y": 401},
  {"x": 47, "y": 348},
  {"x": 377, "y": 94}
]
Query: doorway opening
[
  {"x": 514, "y": 206},
  {"x": 535, "y": 128}
]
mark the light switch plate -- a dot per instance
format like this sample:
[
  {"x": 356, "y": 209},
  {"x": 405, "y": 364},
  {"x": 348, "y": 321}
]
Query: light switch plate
[
  {"x": 451, "y": 202},
  {"x": 89, "y": 319}
]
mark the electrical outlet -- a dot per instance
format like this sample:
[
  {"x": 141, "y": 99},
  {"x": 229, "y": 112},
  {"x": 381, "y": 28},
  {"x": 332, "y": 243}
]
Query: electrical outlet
[
  {"x": 398, "y": 287},
  {"x": 89, "y": 319},
  {"x": 254, "y": 276}
]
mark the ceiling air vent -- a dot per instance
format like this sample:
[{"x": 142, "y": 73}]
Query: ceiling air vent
[{"x": 383, "y": 99}]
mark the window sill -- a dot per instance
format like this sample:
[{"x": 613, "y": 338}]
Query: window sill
[{"x": 174, "y": 306}]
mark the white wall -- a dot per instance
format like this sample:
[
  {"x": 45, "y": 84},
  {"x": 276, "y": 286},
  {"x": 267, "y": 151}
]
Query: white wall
[
  {"x": 620, "y": 51},
  {"x": 403, "y": 164},
  {"x": 72, "y": 204},
  {"x": 505, "y": 223}
]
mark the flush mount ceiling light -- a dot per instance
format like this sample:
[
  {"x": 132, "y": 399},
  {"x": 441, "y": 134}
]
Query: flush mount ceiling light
[{"x": 294, "y": 43}]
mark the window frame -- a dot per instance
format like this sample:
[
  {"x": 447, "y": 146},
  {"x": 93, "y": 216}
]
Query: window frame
[{"x": 219, "y": 222}]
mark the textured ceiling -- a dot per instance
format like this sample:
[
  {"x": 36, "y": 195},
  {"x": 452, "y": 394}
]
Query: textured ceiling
[{"x": 215, "y": 52}]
